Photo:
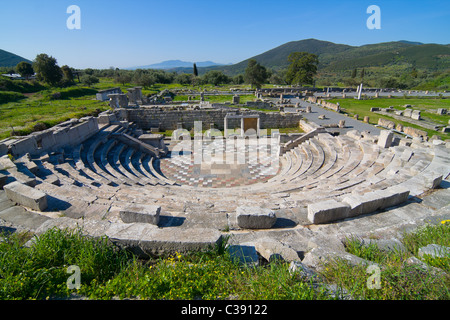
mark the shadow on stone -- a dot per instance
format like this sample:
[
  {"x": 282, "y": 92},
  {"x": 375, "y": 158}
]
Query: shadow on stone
[
  {"x": 7, "y": 230},
  {"x": 168, "y": 221},
  {"x": 284, "y": 223},
  {"x": 55, "y": 204},
  {"x": 445, "y": 184}
]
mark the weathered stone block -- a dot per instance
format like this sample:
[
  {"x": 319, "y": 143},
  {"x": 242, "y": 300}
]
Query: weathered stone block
[
  {"x": 170, "y": 240},
  {"x": 26, "y": 196},
  {"x": 432, "y": 180},
  {"x": 386, "y": 123},
  {"x": 434, "y": 250},
  {"x": 327, "y": 211},
  {"x": 407, "y": 113},
  {"x": 385, "y": 138},
  {"x": 399, "y": 195},
  {"x": 415, "y": 133},
  {"x": 140, "y": 213},
  {"x": 255, "y": 217},
  {"x": 363, "y": 204},
  {"x": 376, "y": 200},
  {"x": 415, "y": 115},
  {"x": 272, "y": 249}
]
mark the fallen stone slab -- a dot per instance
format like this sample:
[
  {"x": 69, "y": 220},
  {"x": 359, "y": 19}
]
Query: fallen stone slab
[
  {"x": 26, "y": 196},
  {"x": 271, "y": 249},
  {"x": 140, "y": 213},
  {"x": 434, "y": 250},
  {"x": 255, "y": 217},
  {"x": 327, "y": 211}
]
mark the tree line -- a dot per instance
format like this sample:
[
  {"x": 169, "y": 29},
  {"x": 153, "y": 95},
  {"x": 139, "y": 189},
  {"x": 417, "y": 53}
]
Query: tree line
[{"x": 301, "y": 71}]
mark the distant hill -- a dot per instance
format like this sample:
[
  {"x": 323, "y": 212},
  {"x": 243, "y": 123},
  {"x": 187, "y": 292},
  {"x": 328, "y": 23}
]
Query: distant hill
[
  {"x": 341, "y": 57},
  {"x": 174, "y": 64},
  {"x": 8, "y": 59}
]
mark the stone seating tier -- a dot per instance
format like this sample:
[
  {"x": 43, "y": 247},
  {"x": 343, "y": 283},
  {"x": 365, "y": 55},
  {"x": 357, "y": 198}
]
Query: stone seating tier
[{"x": 321, "y": 180}]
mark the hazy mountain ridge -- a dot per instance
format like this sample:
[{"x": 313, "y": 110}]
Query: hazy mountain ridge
[
  {"x": 341, "y": 57},
  {"x": 332, "y": 57},
  {"x": 172, "y": 64}
]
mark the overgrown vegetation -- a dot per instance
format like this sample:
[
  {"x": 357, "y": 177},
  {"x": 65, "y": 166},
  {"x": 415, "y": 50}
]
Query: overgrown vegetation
[
  {"x": 399, "y": 278},
  {"x": 107, "y": 272}
]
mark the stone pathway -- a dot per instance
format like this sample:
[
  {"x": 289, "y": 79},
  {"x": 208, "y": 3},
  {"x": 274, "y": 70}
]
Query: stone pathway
[{"x": 332, "y": 117}]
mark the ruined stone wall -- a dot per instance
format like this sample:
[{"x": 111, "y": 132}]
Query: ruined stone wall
[
  {"x": 413, "y": 132},
  {"x": 68, "y": 133},
  {"x": 147, "y": 118},
  {"x": 324, "y": 103}
]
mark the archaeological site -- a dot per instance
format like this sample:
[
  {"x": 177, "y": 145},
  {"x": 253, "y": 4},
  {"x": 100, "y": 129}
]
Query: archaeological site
[{"x": 225, "y": 172}]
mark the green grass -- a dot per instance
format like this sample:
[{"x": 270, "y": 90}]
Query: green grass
[
  {"x": 40, "y": 272},
  {"x": 399, "y": 280},
  {"x": 10, "y": 96},
  {"x": 426, "y": 105},
  {"x": 107, "y": 272},
  {"x": 47, "y": 108}
]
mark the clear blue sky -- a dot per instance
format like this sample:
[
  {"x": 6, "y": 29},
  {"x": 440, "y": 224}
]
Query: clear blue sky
[{"x": 140, "y": 32}]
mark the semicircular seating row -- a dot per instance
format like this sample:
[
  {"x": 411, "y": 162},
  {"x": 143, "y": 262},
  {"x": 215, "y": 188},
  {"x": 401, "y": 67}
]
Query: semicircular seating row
[{"x": 325, "y": 166}]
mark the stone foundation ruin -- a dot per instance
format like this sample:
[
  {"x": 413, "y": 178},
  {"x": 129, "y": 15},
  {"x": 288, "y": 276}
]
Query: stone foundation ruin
[{"x": 112, "y": 176}]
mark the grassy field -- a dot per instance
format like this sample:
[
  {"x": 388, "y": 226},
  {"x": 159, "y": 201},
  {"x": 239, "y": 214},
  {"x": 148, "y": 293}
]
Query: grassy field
[
  {"x": 30, "y": 107},
  {"x": 427, "y": 106},
  {"x": 34, "y": 106},
  {"x": 40, "y": 272},
  {"x": 41, "y": 110}
]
